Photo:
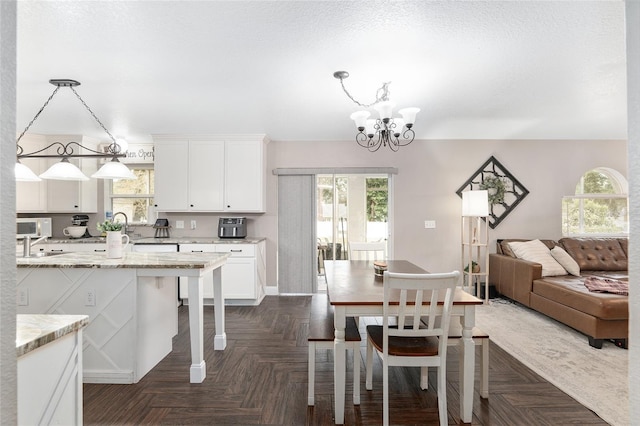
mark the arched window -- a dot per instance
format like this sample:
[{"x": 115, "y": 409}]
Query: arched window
[{"x": 600, "y": 205}]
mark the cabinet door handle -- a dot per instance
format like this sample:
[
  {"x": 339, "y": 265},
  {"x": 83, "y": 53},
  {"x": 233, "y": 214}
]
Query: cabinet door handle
[
  {"x": 191, "y": 205},
  {"x": 196, "y": 251},
  {"x": 57, "y": 250},
  {"x": 99, "y": 250},
  {"x": 236, "y": 251}
]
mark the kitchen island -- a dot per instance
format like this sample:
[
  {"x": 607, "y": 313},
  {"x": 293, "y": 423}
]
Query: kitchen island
[
  {"x": 49, "y": 352},
  {"x": 131, "y": 304}
]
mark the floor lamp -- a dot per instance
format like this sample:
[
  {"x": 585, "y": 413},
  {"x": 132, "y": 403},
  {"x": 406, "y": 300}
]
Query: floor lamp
[{"x": 475, "y": 241}]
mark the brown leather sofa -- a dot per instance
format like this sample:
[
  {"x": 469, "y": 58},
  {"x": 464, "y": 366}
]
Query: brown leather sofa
[{"x": 601, "y": 316}]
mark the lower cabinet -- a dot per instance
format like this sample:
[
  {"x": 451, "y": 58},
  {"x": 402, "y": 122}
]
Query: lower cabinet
[
  {"x": 243, "y": 276},
  {"x": 50, "y": 383}
]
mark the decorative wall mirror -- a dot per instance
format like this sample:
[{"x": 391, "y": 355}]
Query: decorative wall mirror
[{"x": 505, "y": 191}]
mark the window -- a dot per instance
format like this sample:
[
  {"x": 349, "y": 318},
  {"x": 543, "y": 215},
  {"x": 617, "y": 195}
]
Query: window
[
  {"x": 134, "y": 197},
  {"x": 600, "y": 205}
]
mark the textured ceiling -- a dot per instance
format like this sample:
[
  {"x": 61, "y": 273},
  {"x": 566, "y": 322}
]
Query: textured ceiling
[{"x": 478, "y": 70}]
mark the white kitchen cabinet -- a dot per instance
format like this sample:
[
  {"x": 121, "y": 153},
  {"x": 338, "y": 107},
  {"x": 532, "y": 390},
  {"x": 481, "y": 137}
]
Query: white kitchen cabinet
[
  {"x": 245, "y": 176},
  {"x": 243, "y": 276},
  {"x": 57, "y": 196},
  {"x": 210, "y": 173},
  {"x": 189, "y": 175}
]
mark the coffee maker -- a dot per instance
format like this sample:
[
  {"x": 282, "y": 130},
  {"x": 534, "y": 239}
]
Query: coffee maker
[{"x": 81, "y": 220}]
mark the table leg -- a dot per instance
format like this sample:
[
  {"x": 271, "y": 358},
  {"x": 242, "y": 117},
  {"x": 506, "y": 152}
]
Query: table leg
[
  {"x": 468, "y": 350},
  {"x": 198, "y": 369},
  {"x": 220, "y": 339},
  {"x": 339, "y": 363}
]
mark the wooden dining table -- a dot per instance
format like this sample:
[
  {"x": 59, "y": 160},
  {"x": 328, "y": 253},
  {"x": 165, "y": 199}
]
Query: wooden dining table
[{"x": 355, "y": 290}]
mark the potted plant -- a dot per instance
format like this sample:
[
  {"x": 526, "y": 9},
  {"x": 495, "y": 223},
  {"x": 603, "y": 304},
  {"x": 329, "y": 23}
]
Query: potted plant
[
  {"x": 475, "y": 268},
  {"x": 114, "y": 238},
  {"x": 108, "y": 226}
]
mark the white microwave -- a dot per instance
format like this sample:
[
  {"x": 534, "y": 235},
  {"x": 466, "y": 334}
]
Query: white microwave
[{"x": 33, "y": 227}]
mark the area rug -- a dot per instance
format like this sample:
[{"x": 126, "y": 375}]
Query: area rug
[{"x": 597, "y": 378}]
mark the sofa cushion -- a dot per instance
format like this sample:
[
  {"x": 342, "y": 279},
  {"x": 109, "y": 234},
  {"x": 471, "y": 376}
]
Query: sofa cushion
[
  {"x": 503, "y": 245},
  {"x": 570, "y": 291},
  {"x": 596, "y": 254},
  {"x": 565, "y": 260},
  {"x": 537, "y": 251}
]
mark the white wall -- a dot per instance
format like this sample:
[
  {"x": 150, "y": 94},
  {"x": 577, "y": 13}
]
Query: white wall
[
  {"x": 633, "y": 113},
  {"x": 8, "y": 387},
  {"x": 429, "y": 174}
]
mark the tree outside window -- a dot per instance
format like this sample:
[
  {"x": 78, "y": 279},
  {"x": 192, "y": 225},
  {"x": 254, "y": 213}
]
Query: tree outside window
[
  {"x": 134, "y": 197},
  {"x": 600, "y": 205}
]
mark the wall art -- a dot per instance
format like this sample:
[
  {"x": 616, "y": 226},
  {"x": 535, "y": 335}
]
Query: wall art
[{"x": 505, "y": 191}]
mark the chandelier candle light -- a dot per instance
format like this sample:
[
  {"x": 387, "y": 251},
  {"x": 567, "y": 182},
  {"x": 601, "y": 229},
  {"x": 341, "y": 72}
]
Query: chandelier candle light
[
  {"x": 64, "y": 170},
  {"x": 385, "y": 130}
]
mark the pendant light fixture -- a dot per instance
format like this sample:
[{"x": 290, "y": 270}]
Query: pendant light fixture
[
  {"x": 385, "y": 130},
  {"x": 65, "y": 170}
]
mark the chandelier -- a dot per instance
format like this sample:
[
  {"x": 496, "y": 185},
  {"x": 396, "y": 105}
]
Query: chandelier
[
  {"x": 65, "y": 170},
  {"x": 386, "y": 130}
]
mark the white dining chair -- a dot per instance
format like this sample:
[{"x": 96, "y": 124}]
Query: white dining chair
[
  {"x": 410, "y": 343},
  {"x": 368, "y": 250}
]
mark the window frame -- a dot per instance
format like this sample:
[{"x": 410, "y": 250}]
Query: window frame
[
  {"x": 619, "y": 185},
  {"x": 109, "y": 196}
]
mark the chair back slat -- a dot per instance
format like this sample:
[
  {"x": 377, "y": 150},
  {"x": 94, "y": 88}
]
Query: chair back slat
[
  {"x": 414, "y": 291},
  {"x": 368, "y": 250}
]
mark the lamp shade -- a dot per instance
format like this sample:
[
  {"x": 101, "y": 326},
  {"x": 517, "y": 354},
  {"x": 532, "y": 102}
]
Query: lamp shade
[
  {"x": 114, "y": 170},
  {"x": 409, "y": 115},
  {"x": 24, "y": 173},
  {"x": 385, "y": 109},
  {"x": 360, "y": 117},
  {"x": 475, "y": 203},
  {"x": 64, "y": 170}
]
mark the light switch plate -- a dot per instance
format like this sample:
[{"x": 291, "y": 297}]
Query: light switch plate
[
  {"x": 193, "y": 224},
  {"x": 179, "y": 224},
  {"x": 23, "y": 297},
  {"x": 429, "y": 224},
  {"x": 90, "y": 298}
]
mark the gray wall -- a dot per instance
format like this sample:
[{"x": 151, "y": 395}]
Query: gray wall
[{"x": 429, "y": 173}]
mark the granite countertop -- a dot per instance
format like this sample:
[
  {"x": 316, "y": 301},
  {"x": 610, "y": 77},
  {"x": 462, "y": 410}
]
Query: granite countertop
[
  {"x": 152, "y": 240},
  {"x": 34, "y": 331},
  {"x": 129, "y": 260},
  {"x": 199, "y": 240}
]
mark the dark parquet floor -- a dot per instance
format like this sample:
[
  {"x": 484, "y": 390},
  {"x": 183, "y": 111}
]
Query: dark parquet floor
[{"x": 261, "y": 379}]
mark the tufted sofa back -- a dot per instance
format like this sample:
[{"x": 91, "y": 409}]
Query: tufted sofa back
[{"x": 598, "y": 254}]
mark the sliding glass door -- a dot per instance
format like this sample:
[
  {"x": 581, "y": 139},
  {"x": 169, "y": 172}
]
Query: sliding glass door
[{"x": 351, "y": 208}]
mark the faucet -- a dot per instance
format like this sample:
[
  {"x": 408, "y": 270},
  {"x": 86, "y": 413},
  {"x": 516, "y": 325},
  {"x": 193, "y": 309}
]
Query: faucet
[
  {"x": 126, "y": 220},
  {"x": 27, "y": 244}
]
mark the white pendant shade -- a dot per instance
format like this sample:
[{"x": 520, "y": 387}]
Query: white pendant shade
[
  {"x": 24, "y": 174},
  {"x": 385, "y": 109},
  {"x": 360, "y": 117},
  {"x": 370, "y": 127},
  {"x": 409, "y": 114},
  {"x": 475, "y": 203},
  {"x": 64, "y": 170},
  {"x": 114, "y": 170}
]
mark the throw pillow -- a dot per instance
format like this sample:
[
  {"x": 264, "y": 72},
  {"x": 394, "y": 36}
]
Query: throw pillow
[
  {"x": 566, "y": 260},
  {"x": 537, "y": 251}
]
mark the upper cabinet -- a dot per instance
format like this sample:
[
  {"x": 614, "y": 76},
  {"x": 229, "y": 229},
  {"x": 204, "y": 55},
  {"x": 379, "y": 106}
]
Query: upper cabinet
[
  {"x": 57, "y": 196},
  {"x": 210, "y": 173}
]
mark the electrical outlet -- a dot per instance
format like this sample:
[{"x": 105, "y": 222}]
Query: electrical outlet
[
  {"x": 193, "y": 224},
  {"x": 429, "y": 224},
  {"x": 179, "y": 224},
  {"x": 23, "y": 297},
  {"x": 90, "y": 298}
]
